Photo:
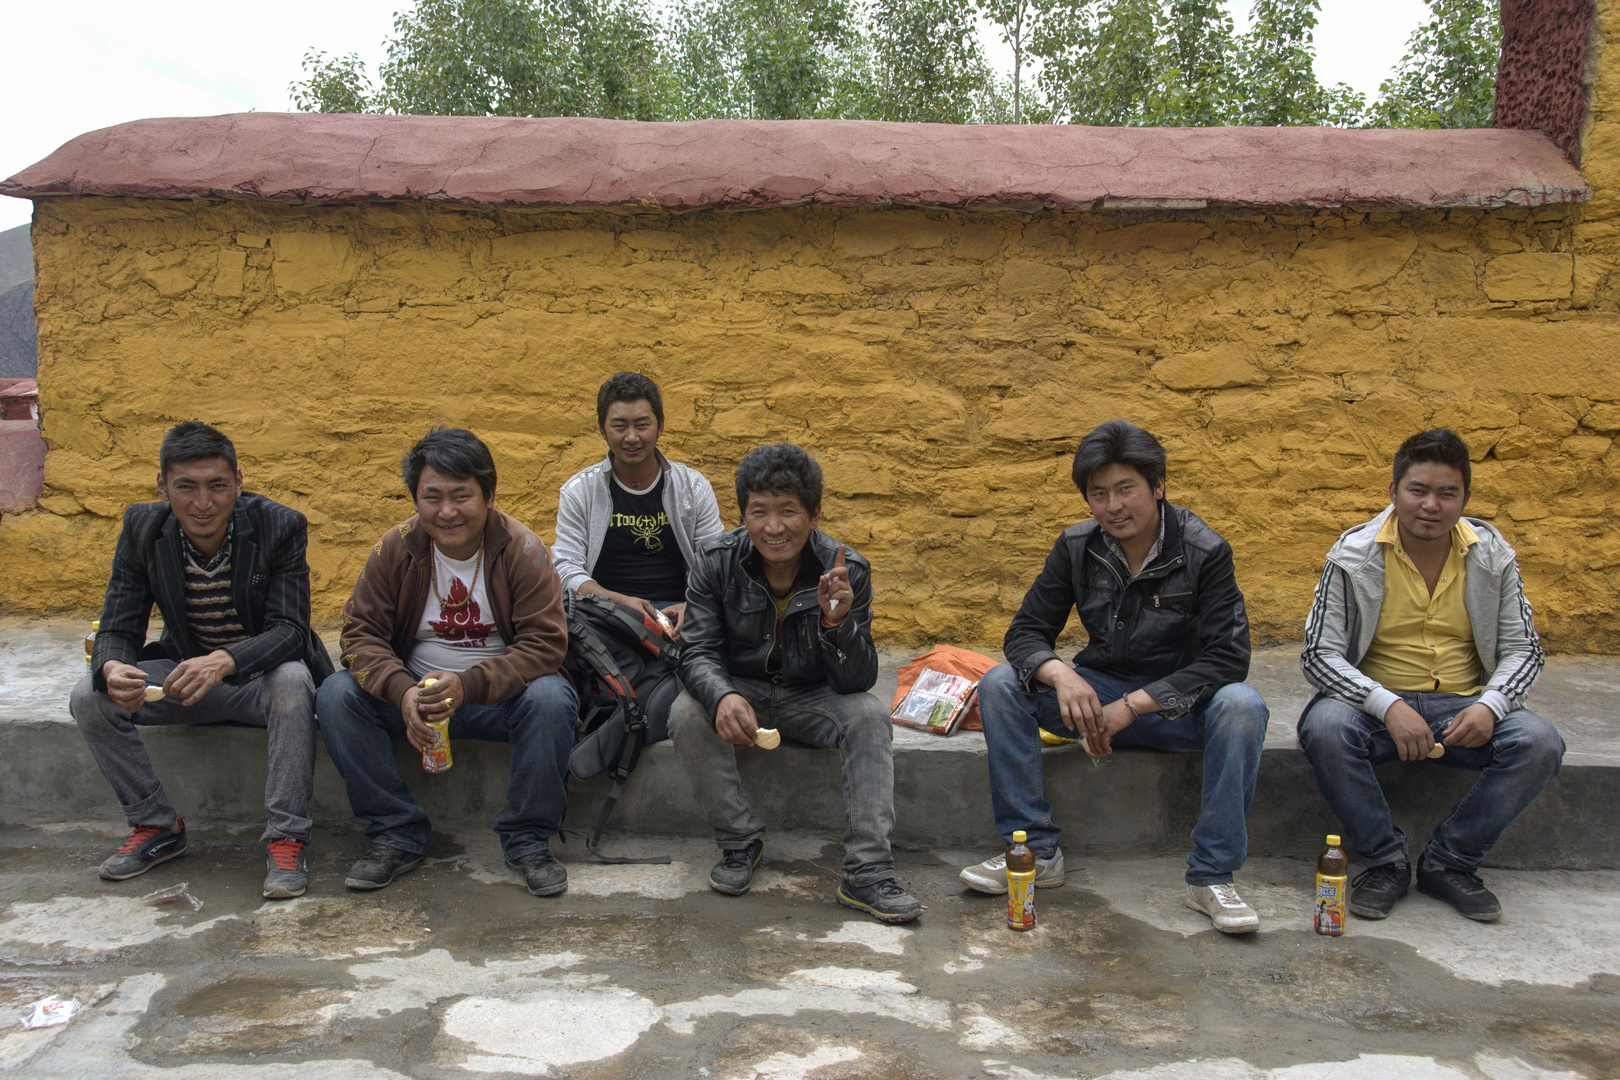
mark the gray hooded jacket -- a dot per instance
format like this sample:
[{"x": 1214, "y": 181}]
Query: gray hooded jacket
[
  {"x": 1350, "y": 596},
  {"x": 585, "y": 504}
]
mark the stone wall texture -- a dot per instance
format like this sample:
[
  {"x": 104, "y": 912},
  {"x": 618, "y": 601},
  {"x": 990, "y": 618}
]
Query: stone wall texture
[{"x": 941, "y": 363}]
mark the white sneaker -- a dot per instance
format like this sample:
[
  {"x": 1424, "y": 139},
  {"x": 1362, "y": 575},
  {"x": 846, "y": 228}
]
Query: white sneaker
[
  {"x": 990, "y": 876},
  {"x": 1224, "y": 907}
]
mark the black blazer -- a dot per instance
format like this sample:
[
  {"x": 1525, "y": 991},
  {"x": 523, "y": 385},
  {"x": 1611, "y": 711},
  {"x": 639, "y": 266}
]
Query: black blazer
[{"x": 269, "y": 586}]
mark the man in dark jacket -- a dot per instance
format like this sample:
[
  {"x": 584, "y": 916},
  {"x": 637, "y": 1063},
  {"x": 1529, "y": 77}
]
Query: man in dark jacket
[
  {"x": 778, "y": 632},
  {"x": 1164, "y": 668},
  {"x": 226, "y": 569},
  {"x": 457, "y": 615}
]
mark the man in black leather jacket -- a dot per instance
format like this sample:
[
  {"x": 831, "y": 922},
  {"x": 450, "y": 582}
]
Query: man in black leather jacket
[
  {"x": 1164, "y": 668},
  {"x": 778, "y": 635}
]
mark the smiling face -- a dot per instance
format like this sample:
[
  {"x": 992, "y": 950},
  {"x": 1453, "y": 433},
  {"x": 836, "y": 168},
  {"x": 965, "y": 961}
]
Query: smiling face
[
  {"x": 632, "y": 432},
  {"x": 202, "y": 494},
  {"x": 1123, "y": 503},
  {"x": 1428, "y": 500},
  {"x": 453, "y": 511},
  {"x": 779, "y": 526}
]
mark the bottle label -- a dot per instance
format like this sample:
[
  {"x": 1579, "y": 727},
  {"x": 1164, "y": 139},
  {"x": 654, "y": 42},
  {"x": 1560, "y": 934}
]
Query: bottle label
[
  {"x": 1331, "y": 896},
  {"x": 1021, "y": 900},
  {"x": 436, "y": 755}
]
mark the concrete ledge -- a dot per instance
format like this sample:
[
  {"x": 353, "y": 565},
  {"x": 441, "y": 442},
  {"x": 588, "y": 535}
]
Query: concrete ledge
[{"x": 1136, "y": 803}]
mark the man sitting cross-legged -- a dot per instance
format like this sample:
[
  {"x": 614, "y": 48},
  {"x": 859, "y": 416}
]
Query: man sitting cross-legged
[
  {"x": 1420, "y": 634},
  {"x": 778, "y": 634},
  {"x": 226, "y": 569},
  {"x": 465, "y": 595},
  {"x": 1164, "y": 668}
]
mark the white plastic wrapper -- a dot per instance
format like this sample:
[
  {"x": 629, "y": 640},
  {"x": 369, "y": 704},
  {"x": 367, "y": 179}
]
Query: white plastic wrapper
[
  {"x": 174, "y": 894},
  {"x": 49, "y": 1012}
]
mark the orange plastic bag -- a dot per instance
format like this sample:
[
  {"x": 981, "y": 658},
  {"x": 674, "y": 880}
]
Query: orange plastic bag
[{"x": 952, "y": 661}]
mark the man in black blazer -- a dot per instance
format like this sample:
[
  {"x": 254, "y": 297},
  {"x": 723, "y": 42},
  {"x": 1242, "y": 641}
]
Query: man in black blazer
[{"x": 226, "y": 569}]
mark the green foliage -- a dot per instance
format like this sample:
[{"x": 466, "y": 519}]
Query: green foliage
[
  {"x": 759, "y": 59},
  {"x": 1447, "y": 79},
  {"x": 336, "y": 84},
  {"x": 1111, "y": 62}
]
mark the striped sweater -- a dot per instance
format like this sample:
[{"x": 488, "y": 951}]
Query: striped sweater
[
  {"x": 1350, "y": 596},
  {"x": 209, "y": 609}
]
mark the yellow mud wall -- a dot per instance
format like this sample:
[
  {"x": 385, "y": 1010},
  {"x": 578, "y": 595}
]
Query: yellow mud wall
[{"x": 941, "y": 366}]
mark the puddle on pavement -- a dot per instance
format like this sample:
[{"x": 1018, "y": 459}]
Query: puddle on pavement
[
  {"x": 1593, "y": 1050},
  {"x": 337, "y": 927},
  {"x": 248, "y": 1016}
]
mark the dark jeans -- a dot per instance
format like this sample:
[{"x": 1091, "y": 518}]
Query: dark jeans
[
  {"x": 538, "y": 724},
  {"x": 1230, "y": 729},
  {"x": 282, "y": 701},
  {"x": 1343, "y": 744}
]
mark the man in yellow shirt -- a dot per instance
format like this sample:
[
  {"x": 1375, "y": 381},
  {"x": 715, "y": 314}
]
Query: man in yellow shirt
[{"x": 1421, "y": 636}]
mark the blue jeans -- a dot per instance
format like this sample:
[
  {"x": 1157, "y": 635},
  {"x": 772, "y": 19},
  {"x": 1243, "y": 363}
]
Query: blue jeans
[
  {"x": 1230, "y": 729},
  {"x": 1343, "y": 744},
  {"x": 360, "y": 731}
]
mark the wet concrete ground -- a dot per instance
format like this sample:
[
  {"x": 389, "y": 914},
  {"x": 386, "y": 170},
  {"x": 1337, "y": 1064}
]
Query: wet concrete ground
[{"x": 641, "y": 971}]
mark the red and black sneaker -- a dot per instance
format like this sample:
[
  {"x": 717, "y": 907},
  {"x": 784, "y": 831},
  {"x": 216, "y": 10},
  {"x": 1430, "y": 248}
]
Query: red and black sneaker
[
  {"x": 286, "y": 874},
  {"x": 147, "y": 846}
]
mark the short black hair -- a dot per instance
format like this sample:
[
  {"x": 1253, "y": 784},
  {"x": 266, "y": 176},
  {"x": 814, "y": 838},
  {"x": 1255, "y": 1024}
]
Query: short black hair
[
  {"x": 194, "y": 441},
  {"x": 1441, "y": 446},
  {"x": 629, "y": 386},
  {"x": 454, "y": 452},
  {"x": 783, "y": 469},
  {"x": 1119, "y": 442}
]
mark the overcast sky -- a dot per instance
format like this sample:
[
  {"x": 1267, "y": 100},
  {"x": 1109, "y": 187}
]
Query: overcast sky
[{"x": 77, "y": 67}]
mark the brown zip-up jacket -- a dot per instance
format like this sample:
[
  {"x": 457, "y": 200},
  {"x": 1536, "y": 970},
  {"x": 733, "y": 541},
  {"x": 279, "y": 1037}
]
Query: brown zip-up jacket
[{"x": 525, "y": 595}]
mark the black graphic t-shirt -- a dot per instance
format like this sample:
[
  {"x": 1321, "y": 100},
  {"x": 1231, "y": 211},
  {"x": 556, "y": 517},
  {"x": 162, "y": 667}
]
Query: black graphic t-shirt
[{"x": 639, "y": 554}]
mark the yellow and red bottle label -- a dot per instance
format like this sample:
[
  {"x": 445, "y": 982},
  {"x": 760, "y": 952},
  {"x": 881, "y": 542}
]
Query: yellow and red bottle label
[
  {"x": 1021, "y": 900},
  {"x": 436, "y": 754},
  {"x": 1331, "y": 895}
]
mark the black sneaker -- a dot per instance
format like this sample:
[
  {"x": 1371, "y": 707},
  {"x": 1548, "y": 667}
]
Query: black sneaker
[
  {"x": 1460, "y": 889},
  {"x": 286, "y": 872},
  {"x": 544, "y": 875},
  {"x": 735, "y": 870},
  {"x": 381, "y": 865},
  {"x": 1373, "y": 892},
  {"x": 147, "y": 846},
  {"x": 883, "y": 900}
]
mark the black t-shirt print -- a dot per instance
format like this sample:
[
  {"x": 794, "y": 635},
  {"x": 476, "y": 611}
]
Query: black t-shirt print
[{"x": 639, "y": 554}]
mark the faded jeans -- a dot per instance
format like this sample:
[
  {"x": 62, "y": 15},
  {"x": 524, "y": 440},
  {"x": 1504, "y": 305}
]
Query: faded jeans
[
  {"x": 1343, "y": 744},
  {"x": 282, "y": 701},
  {"x": 1230, "y": 729},
  {"x": 538, "y": 723},
  {"x": 856, "y": 725}
]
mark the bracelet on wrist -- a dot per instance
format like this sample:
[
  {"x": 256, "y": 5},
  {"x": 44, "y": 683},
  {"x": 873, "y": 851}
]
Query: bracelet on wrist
[{"x": 1134, "y": 714}]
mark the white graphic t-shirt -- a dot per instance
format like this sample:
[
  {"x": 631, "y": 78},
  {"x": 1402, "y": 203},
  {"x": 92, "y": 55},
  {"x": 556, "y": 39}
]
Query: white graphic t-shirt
[{"x": 461, "y": 632}]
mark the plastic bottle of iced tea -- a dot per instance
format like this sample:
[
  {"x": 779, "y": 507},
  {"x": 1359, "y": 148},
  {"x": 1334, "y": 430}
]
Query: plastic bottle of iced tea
[
  {"x": 1332, "y": 887},
  {"x": 1020, "y": 884},
  {"x": 90, "y": 640}
]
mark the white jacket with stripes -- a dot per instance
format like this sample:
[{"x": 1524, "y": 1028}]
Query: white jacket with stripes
[{"x": 1350, "y": 596}]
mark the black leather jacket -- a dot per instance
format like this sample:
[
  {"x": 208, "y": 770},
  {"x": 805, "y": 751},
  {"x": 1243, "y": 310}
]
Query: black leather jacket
[
  {"x": 1180, "y": 624},
  {"x": 730, "y": 623}
]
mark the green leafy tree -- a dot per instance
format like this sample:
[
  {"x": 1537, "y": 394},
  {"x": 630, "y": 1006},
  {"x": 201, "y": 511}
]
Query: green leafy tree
[
  {"x": 759, "y": 59},
  {"x": 335, "y": 84},
  {"x": 925, "y": 62},
  {"x": 1016, "y": 22},
  {"x": 1447, "y": 79},
  {"x": 1100, "y": 61}
]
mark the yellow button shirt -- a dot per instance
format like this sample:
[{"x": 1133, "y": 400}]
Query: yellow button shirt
[{"x": 1424, "y": 643}]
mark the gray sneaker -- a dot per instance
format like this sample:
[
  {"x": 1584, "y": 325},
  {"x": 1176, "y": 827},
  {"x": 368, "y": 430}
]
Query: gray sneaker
[
  {"x": 146, "y": 846},
  {"x": 990, "y": 876},
  {"x": 735, "y": 871},
  {"x": 1224, "y": 907},
  {"x": 286, "y": 874},
  {"x": 381, "y": 865},
  {"x": 542, "y": 873},
  {"x": 884, "y": 900}
]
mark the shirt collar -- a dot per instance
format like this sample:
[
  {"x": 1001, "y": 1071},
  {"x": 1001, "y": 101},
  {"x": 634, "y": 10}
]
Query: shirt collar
[
  {"x": 201, "y": 562},
  {"x": 1153, "y": 552},
  {"x": 1463, "y": 536}
]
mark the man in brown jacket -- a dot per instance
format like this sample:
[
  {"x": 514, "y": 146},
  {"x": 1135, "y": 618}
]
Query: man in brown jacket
[{"x": 465, "y": 596}]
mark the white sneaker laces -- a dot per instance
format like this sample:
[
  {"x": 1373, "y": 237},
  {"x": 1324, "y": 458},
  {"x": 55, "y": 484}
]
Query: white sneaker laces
[{"x": 1227, "y": 896}]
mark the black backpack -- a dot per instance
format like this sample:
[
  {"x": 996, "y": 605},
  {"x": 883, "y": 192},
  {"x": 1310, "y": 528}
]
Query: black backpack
[{"x": 623, "y": 667}]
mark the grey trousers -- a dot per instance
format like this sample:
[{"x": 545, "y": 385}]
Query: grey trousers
[
  {"x": 281, "y": 700},
  {"x": 856, "y": 725}
]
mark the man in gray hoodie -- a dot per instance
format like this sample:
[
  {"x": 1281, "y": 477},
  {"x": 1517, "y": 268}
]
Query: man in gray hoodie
[
  {"x": 1421, "y": 640},
  {"x": 629, "y": 527}
]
